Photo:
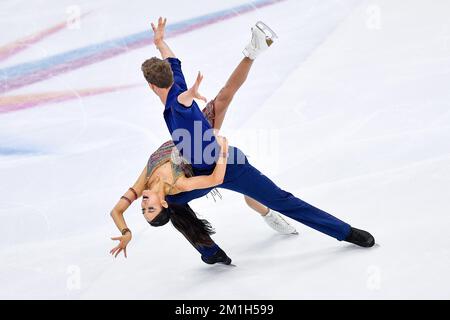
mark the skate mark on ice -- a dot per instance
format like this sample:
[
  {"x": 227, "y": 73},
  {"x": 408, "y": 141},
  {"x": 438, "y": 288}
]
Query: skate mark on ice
[{"x": 17, "y": 46}]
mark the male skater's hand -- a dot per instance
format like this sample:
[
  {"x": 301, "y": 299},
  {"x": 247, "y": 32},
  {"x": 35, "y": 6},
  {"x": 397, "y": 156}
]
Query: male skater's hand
[
  {"x": 122, "y": 246},
  {"x": 158, "y": 32},
  {"x": 187, "y": 97},
  {"x": 194, "y": 89}
]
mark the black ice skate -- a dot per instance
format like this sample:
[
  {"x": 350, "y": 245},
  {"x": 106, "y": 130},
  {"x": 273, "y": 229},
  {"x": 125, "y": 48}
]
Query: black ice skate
[
  {"x": 360, "y": 238},
  {"x": 219, "y": 257}
]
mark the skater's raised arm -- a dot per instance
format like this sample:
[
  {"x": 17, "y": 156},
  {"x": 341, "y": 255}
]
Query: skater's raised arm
[
  {"x": 119, "y": 209},
  {"x": 158, "y": 39},
  {"x": 167, "y": 53}
]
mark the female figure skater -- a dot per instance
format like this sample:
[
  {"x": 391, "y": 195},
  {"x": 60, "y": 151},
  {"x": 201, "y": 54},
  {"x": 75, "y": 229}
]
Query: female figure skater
[
  {"x": 166, "y": 166},
  {"x": 181, "y": 112}
]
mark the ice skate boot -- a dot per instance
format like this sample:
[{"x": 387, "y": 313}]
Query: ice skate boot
[
  {"x": 219, "y": 257},
  {"x": 277, "y": 223},
  {"x": 360, "y": 238},
  {"x": 262, "y": 38}
]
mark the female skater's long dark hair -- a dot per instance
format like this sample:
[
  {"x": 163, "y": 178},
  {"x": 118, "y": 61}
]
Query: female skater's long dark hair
[{"x": 184, "y": 219}]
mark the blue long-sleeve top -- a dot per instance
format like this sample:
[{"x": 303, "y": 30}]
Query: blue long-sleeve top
[{"x": 190, "y": 131}]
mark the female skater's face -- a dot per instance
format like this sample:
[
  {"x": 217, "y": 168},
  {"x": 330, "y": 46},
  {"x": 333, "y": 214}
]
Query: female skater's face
[{"x": 151, "y": 204}]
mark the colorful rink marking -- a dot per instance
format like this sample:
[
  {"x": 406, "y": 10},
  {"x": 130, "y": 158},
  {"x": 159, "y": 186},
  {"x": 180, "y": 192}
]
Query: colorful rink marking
[
  {"x": 20, "y": 102},
  {"x": 27, "y": 73}
]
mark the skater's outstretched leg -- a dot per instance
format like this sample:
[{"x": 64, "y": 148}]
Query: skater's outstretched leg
[
  {"x": 261, "y": 40},
  {"x": 247, "y": 180},
  {"x": 226, "y": 94},
  {"x": 221, "y": 104}
]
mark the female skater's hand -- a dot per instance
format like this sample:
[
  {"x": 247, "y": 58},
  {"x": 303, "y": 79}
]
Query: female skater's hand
[
  {"x": 158, "y": 32},
  {"x": 122, "y": 246},
  {"x": 223, "y": 143},
  {"x": 185, "y": 184},
  {"x": 194, "y": 89}
]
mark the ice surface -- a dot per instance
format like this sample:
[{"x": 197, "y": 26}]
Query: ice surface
[{"x": 349, "y": 110}]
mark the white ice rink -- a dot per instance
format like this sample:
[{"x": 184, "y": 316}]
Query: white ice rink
[{"x": 349, "y": 110}]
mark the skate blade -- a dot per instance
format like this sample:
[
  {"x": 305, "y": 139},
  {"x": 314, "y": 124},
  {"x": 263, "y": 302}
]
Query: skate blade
[
  {"x": 294, "y": 233},
  {"x": 221, "y": 264},
  {"x": 267, "y": 30}
]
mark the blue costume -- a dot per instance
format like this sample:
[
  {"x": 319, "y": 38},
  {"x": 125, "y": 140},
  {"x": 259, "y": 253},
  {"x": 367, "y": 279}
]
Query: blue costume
[
  {"x": 189, "y": 119},
  {"x": 240, "y": 175}
]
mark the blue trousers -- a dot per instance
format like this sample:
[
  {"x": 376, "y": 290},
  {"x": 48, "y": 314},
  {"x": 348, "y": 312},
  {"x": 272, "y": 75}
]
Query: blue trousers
[{"x": 242, "y": 177}]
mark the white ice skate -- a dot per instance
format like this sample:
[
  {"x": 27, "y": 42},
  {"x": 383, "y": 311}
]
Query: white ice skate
[
  {"x": 277, "y": 223},
  {"x": 262, "y": 38}
]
